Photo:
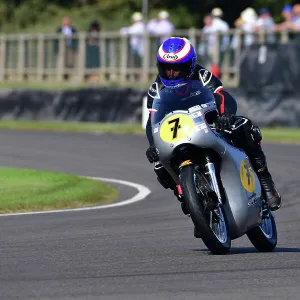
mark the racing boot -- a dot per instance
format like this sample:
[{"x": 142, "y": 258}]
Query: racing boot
[
  {"x": 269, "y": 190},
  {"x": 163, "y": 177},
  {"x": 166, "y": 180}
]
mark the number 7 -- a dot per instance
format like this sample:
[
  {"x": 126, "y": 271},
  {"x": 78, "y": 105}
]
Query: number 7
[{"x": 175, "y": 128}]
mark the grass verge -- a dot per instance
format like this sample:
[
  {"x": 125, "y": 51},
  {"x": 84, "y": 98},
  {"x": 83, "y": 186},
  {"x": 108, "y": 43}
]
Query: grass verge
[
  {"x": 291, "y": 135},
  {"x": 72, "y": 126},
  {"x": 24, "y": 190},
  {"x": 269, "y": 134}
]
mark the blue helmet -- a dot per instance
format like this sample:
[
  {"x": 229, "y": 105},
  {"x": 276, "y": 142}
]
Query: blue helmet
[{"x": 179, "y": 55}]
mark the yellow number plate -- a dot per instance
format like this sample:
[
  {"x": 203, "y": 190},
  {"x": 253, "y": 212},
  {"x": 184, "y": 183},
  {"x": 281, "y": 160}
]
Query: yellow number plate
[
  {"x": 247, "y": 176},
  {"x": 176, "y": 128}
]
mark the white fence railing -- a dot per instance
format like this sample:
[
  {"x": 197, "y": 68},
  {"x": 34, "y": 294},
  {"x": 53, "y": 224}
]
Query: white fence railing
[{"x": 108, "y": 57}]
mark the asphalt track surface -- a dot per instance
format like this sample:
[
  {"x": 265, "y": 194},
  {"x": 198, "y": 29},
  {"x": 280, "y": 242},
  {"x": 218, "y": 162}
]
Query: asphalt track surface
[{"x": 145, "y": 250}]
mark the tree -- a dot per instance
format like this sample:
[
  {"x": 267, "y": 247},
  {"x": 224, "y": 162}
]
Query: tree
[{"x": 16, "y": 15}]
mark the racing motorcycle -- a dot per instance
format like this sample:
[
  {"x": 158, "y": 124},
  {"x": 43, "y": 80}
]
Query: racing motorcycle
[{"x": 221, "y": 192}]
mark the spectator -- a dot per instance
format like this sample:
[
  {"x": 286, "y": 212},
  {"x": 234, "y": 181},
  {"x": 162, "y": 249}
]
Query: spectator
[
  {"x": 161, "y": 27},
  {"x": 213, "y": 24},
  {"x": 71, "y": 44},
  {"x": 66, "y": 28},
  {"x": 294, "y": 24},
  {"x": 93, "y": 46},
  {"x": 221, "y": 26},
  {"x": 287, "y": 14},
  {"x": 246, "y": 23},
  {"x": 296, "y": 18},
  {"x": 207, "y": 42},
  {"x": 218, "y": 23},
  {"x": 292, "y": 21},
  {"x": 95, "y": 28},
  {"x": 136, "y": 42},
  {"x": 266, "y": 23}
]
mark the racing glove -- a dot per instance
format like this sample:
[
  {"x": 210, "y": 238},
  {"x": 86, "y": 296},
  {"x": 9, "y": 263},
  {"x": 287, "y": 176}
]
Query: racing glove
[
  {"x": 224, "y": 122},
  {"x": 152, "y": 154}
]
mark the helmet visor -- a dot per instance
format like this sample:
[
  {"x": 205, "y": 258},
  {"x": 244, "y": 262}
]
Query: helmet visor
[{"x": 173, "y": 71}]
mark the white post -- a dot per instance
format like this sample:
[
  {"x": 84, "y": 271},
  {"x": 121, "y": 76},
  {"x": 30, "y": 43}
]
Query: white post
[
  {"x": 145, "y": 113},
  {"x": 145, "y": 9},
  {"x": 21, "y": 58},
  {"x": 2, "y": 57},
  {"x": 81, "y": 69},
  {"x": 41, "y": 57}
]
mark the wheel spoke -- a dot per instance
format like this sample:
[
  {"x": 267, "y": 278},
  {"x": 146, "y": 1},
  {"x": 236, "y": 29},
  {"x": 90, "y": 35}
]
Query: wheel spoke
[{"x": 217, "y": 225}]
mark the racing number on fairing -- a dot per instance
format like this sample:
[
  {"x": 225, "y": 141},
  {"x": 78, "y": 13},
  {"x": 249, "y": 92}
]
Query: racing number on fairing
[
  {"x": 247, "y": 176},
  {"x": 175, "y": 127}
]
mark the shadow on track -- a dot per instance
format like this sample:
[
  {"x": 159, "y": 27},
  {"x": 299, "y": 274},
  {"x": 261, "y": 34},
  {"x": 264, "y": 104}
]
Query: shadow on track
[{"x": 247, "y": 250}]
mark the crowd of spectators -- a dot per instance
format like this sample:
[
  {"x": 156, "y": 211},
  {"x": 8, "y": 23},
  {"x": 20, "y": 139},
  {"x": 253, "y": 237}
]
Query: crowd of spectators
[
  {"x": 249, "y": 23},
  {"x": 160, "y": 27}
]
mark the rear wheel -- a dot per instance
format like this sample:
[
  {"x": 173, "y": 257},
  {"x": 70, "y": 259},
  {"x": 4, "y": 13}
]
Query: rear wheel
[
  {"x": 210, "y": 220},
  {"x": 264, "y": 236}
]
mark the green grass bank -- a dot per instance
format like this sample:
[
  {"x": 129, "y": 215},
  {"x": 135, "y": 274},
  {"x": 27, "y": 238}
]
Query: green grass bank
[{"x": 23, "y": 190}]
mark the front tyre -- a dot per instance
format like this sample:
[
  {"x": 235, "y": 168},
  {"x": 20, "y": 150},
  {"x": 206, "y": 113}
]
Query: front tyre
[
  {"x": 264, "y": 236},
  {"x": 212, "y": 225}
]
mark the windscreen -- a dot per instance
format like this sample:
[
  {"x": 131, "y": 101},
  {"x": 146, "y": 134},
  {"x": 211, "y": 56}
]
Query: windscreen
[{"x": 182, "y": 98}]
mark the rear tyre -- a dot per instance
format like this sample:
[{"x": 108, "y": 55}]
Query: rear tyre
[
  {"x": 212, "y": 224},
  {"x": 264, "y": 236}
]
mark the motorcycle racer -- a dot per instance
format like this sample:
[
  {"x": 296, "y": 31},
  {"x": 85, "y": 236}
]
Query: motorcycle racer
[{"x": 176, "y": 64}]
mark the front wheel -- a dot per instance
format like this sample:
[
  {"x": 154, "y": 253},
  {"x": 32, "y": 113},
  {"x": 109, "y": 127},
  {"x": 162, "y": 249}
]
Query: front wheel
[
  {"x": 264, "y": 236},
  {"x": 212, "y": 224}
]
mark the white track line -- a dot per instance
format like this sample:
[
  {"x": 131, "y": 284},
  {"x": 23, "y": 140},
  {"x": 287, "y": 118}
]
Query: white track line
[{"x": 143, "y": 192}]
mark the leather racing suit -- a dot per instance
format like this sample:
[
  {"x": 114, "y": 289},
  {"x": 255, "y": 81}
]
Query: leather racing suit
[{"x": 247, "y": 137}]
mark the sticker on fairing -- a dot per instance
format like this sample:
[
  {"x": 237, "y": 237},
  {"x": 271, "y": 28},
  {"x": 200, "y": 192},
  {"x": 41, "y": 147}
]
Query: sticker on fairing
[
  {"x": 201, "y": 126},
  {"x": 196, "y": 114},
  {"x": 194, "y": 108}
]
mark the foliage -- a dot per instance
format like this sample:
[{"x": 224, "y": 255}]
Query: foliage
[{"x": 45, "y": 15}]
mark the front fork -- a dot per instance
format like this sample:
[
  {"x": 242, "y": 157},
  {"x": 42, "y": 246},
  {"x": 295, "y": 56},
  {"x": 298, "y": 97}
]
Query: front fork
[{"x": 211, "y": 172}]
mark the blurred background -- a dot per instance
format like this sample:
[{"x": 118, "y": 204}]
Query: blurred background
[{"x": 251, "y": 45}]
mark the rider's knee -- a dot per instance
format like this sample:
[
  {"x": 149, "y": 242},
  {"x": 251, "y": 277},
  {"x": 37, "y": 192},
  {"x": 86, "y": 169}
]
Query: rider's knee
[{"x": 247, "y": 135}]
